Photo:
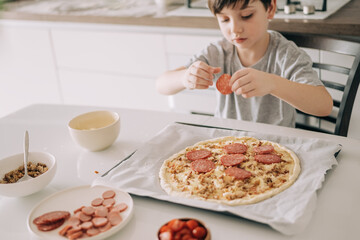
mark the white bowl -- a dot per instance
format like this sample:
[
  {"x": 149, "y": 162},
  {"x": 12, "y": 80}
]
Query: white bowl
[
  {"x": 20, "y": 189},
  {"x": 95, "y": 131}
]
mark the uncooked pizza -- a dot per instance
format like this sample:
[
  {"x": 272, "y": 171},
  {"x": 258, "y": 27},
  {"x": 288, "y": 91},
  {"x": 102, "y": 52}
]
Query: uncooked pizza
[{"x": 230, "y": 170}]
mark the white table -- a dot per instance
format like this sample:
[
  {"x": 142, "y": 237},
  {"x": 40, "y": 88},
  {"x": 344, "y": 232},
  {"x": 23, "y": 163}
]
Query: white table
[{"x": 337, "y": 215}]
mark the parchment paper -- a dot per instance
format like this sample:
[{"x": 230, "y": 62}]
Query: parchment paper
[{"x": 288, "y": 212}]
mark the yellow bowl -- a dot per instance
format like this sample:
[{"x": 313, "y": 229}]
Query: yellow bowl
[{"x": 95, "y": 131}]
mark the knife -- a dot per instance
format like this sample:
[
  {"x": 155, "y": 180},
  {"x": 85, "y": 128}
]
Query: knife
[{"x": 119, "y": 163}]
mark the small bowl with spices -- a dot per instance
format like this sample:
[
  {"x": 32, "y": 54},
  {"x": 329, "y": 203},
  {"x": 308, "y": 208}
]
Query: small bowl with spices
[{"x": 41, "y": 167}]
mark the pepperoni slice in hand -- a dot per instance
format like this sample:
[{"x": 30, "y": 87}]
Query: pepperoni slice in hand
[
  {"x": 202, "y": 165},
  {"x": 235, "y": 148},
  {"x": 198, "y": 154},
  {"x": 264, "y": 149},
  {"x": 267, "y": 158},
  {"x": 238, "y": 173},
  {"x": 222, "y": 84},
  {"x": 233, "y": 159}
]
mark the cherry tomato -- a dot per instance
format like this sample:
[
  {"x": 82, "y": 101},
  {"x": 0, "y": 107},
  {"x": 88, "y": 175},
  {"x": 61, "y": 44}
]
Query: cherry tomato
[
  {"x": 199, "y": 232},
  {"x": 165, "y": 236},
  {"x": 191, "y": 224},
  {"x": 176, "y": 225},
  {"x": 166, "y": 228}
]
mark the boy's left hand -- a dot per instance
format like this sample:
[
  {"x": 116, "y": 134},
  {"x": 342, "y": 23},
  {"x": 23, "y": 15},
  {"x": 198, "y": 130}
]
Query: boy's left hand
[{"x": 250, "y": 82}]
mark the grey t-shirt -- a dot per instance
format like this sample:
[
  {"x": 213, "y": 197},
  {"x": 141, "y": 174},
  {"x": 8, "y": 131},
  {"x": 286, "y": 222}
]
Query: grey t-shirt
[{"x": 282, "y": 58}]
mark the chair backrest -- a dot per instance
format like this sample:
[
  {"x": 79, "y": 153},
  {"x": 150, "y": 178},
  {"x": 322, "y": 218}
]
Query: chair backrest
[{"x": 342, "y": 83}]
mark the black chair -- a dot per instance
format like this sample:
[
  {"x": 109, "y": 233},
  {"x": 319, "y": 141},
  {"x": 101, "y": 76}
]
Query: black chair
[{"x": 338, "y": 121}]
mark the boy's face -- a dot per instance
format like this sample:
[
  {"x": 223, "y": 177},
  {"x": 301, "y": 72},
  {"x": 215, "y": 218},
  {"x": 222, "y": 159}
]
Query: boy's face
[{"x": 247, "y": 27}]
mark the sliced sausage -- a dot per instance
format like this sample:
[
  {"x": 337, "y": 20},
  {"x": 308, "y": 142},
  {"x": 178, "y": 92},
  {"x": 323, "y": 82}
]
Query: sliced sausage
[
  {"x": 198, "y": 154},
  {"x": 264, "y": 149},
  {"x": 88, "y": 210},
  {"x": 105, "y": 228},
  {"x": 101, "y": 211},
  {"x": 108, "y": 194},
  {"x": 267, "y": 158},
  {"x": 238, "y": 173},
  {"x": 86, "y": 225},
  {"x": 64, "y": 230},
  {"x": 99, "y": 221},
  {"x": 92, "y": 231},
  {"x": 233, "y": 159},
  {"x": 75, "y": 235},
  {"x": 114, "y": 218},
  {"x": 73, "y": 221},
  {"x": 235, "y": 148},
  {"x": 109, "y": 202},
  {"x": 119, "y": 207},
  {"x": 97, "y": 202},
  {"x": 202, "y": 165},
  {"x": 84, "y": 218}
]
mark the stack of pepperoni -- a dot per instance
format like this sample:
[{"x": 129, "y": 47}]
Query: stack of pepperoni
[
  {"x": 88, "y": 221},
  {"x": 183, "y": 229},
  {"x": 51, "y": 220}
]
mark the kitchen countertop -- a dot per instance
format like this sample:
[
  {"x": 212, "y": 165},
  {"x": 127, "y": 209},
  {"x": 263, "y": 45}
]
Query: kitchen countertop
[{"x": 345, "y": 22}]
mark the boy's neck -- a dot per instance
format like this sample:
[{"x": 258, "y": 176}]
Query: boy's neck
[{"x": 248, "y": 57}]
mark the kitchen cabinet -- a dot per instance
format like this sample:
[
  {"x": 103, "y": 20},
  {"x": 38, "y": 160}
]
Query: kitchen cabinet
[{"x": 27, "y": 69}]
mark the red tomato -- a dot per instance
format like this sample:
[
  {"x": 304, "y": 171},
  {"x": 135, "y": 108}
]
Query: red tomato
[
  {"x": 191, "y": 224},
  {"x": 165, "y": 236},
  {"x": 187, "y": 237},
  {"x": 165, "y": 228},
  {"x": 176, "y": 225},
  {"x": 199, "y": 232}
]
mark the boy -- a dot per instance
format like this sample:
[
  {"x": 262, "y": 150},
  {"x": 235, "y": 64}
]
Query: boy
[{"x": 270, "y": 75}]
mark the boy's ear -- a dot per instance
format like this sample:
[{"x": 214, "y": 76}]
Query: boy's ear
[{"x": 272, "y": 9}]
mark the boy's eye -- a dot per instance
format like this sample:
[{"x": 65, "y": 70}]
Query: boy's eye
[
  {"x": 224, "y": 20},
  {"x": 246, "y": 16}
]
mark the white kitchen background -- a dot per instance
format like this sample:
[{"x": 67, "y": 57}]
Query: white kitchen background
[{"x": 106, "y": 65}]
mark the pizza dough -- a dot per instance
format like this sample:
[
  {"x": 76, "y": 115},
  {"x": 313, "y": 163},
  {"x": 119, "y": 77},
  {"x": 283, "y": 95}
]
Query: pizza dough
[{"x": 230, "y": 170}]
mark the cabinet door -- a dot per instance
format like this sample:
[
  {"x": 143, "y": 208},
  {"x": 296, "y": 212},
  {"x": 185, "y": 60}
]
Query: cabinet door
[
  {"x": 131, "y": 53},
  {"x": 110, "y": 90},
  {"x": 27, "y": 70}
]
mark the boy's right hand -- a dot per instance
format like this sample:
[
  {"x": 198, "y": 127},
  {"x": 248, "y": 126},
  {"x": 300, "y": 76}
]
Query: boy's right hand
[{"x": 199, "y": 75}]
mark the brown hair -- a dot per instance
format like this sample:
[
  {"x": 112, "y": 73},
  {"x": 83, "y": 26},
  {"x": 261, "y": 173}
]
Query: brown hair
[{"x": 217, "y": 5}]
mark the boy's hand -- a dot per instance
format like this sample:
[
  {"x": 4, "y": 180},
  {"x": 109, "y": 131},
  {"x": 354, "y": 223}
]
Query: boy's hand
[
  {"x": 199, "y": 76},
  {"x": 250, "y": 82}
]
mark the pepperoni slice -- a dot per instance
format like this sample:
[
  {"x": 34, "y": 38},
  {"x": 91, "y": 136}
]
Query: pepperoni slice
[
  {"x": 101, "y": 211},
  {"x": 233, "y": 159},
  {"x": 50, "y": 226},
  {"x": 99, "y": 221},
  {"x": 109, "y": 202},
  {"x": 84, "y": 218},
  {"x": 88, "y": 210},
  {"x": 86, "y": 225},
  {"x": 264, "y": 149},
  {"x": 105, "y": 228},
  {"x": 235, "y": 148},
  {"x": 92, "y": 231},
  {"x": 64, "y": 230},
  {"x": 202, "y": 165},
  {"x": 73, "y": 221},
  {"x": 119, "y": 207},
  {"x": 238, "y": 173},
  {"x": 267, "y": 158},
  {"x": 222, "y": 84},
  {"x": 198, "y": 154},
  {"x": 51, "y": 217}
]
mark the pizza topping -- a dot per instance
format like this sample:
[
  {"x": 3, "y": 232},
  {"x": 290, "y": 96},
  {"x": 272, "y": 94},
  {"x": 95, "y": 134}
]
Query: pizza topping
[
  {"x": 223, "y": 84},
  {"x": 233, "y": 159},
  {"x": 264, "y": 149},
  {"x": 267, "y": 158},
  {"x": 202, "y": 165},
  {"x": 235, "y": 148},
  {"x": 238, "y": 173},
  {"x": 198, "y": 154}
]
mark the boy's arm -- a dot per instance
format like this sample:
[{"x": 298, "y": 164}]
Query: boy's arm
[
  {"x": 314, "y": 100},
  {"x": 170, "y": 82},
  {"x": 198, "y": 76}
]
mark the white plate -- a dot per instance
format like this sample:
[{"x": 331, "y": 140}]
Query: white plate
[{"x": 73, "y": 198}]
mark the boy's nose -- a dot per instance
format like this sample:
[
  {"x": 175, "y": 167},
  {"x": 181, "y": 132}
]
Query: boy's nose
[{"x": 236, "y": 27}]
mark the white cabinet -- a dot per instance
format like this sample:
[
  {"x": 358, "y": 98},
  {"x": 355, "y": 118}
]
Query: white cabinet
[
  {"x": 27, "y": 70},
  {"x": 110, "y": 90}
]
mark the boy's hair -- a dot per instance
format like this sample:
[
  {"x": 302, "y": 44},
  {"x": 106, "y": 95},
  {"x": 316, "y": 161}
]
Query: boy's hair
[{"x": 216, "y": 6}]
